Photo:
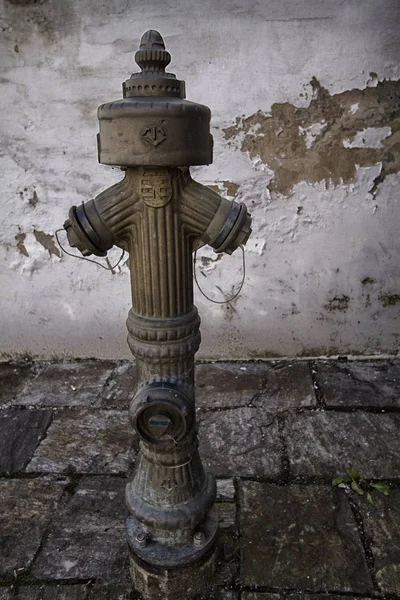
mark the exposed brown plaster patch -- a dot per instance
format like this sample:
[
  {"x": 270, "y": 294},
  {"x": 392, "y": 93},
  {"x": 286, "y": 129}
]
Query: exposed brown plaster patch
[
  {"x": 285, "y": 142},
  {"x": 20, "y": 238},
  {"x": 213, "y": 188},
  {"x": 231, "y": 187},
  {"x": 47, "y": 242}
]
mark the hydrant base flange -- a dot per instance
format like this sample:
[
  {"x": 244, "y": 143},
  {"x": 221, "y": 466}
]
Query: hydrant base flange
[
  {"x": 171, "y": 555},
  {"x": 191, "y": 580}
]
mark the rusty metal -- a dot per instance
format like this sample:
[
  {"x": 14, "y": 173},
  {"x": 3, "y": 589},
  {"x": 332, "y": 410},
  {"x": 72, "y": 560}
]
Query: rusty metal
[{"x": 160, "y": 215}]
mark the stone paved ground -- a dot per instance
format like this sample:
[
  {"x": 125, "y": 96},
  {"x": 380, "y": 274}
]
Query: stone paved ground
[{"x": 274, "y": 433}]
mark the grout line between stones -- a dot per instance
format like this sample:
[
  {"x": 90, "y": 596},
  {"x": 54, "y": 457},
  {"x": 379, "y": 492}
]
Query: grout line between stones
[
  {"x": 285, "y": 461},
  {"x": 319, "y": 396},
  {"x": 393, "y": 483},
  {"x": 40, "y": 440},
  {"x": 60, "y": 409},
  {"x": 301, "y": 359},
  {"x": 287, "y": 592},
  {"x": 237, "y": 583},
  {"x": 369, "y": 557},
  {"x": 100, "y": 396}
]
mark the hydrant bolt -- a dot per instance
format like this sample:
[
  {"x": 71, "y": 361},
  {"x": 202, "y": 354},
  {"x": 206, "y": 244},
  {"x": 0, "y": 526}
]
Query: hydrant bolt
[
  {"x": 141, "y": 539},
  {"x": 199, "y": 538}
]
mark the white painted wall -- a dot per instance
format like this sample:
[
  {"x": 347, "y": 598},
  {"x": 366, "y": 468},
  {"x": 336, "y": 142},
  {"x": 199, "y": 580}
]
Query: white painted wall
[{"x": 60, "y": 59}]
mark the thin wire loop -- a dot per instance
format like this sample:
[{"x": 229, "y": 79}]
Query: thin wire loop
[
  {"x": 235, "y": 295},
  {"x": 99, "y": 264}
]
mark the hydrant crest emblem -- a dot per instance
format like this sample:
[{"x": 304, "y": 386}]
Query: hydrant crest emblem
[{"x": 156, "y": 188}]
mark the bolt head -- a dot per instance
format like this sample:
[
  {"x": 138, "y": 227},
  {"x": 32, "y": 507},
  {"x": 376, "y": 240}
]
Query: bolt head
[
  {"x": 199, "y": 538},
  {"x": 142, "y": 539}
]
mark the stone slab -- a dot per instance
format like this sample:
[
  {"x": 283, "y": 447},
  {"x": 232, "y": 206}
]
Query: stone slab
[
  {"x": 229, "y": 385},
  {"x": 302, "y": 537},
  {"x": 382, "y": 527},
  {"x": 228, "y": 563},
  {"x": 288, "y": 385},
  {"x": 359, "y": 383},
  {"x": 226, "y": 489},
  {"x": 88, "y": 539},
  {"x": 227, "y": 515},
  {"x": 324, "y": 443},
  {"x": 76, "y": 383},
  {"x": 240, "y": 442},
  {"x": 120, "y": 387},
  {"x": 85, "y": 441},
  {"x": 57, "y": 592},
  {"x": 27, "y": 507},
  {"x": 13, "y": 377},
  {"x": 20, "y": 433}
]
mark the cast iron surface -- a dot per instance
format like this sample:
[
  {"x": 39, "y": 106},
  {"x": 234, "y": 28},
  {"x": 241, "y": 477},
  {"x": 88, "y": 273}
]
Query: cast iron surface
[{"x": 160, "y": 215}]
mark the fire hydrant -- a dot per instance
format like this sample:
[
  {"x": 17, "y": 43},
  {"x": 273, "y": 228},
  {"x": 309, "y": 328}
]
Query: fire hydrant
[{"x": 160, "y": 215}]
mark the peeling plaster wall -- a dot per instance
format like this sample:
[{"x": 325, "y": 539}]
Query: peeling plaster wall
[{"x": 305, "y": 100}]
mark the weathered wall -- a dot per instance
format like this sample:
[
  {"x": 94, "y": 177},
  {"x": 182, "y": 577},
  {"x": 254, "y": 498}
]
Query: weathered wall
[{"x": 305, "y": 98}]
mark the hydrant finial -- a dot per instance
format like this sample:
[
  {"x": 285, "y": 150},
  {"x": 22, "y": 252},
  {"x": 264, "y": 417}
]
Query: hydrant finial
[
  {"x": 150, "y": 39},
  {"x": 152, "y": 57}
]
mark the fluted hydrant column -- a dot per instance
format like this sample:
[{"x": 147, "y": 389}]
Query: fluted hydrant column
[{"x": 160, "y": 216}]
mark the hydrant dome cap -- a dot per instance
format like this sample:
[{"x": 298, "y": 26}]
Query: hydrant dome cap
[{"x": 153, "y": 124}]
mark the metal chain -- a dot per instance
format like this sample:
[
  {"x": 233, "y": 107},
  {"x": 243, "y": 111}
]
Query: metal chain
[
  {"x": 111, "y": 268},
  {"x": 235, "y": 295},
  {"x": 96, "y": 262}
]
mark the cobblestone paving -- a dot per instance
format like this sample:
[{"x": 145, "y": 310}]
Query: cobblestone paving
[{"x": 274, "y": 434}]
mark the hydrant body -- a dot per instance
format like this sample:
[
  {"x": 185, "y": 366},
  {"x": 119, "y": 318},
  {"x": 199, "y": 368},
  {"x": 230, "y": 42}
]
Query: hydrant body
[{"x": 160, "y": 215}]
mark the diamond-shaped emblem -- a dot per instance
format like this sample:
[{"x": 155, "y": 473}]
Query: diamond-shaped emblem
[{"x": 154, "y": 135}]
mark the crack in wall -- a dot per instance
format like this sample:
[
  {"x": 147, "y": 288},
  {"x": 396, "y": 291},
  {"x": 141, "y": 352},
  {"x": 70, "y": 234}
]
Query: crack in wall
[{"x": 309, "y": 143}]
